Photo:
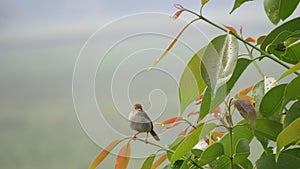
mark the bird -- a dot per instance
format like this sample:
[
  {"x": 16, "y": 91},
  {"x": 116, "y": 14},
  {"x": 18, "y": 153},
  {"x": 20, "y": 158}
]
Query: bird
[{"x": 139, "y": 121}]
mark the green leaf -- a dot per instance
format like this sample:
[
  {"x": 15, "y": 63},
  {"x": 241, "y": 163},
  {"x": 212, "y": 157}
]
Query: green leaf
[
  {"x": 174, "y": 145},
  {"x": 292, "y": 41},
  {"x": 191, "y": 84},
  {"x": 246, "y": 164},
  {"x": 222, "y": 163},
  {"x": 289, "y": 135},
  {"x": 211, "y": 153},
  {"x": 196, "y": 152},
  {"x": 148, "y": 162},
  {"x": 292, "y": 45},
  {"x": 268, "y": 128},
  {"x": 187, "y": 144},
  {"x": 279, "y": 47},
  {"x": 262, "y": 139},
  {"x": 292, "y": 114},
  {"x": 287, "y": 8},
  {"x": 292, "y": 89},
  {"x": 242, "y": 151},
  {"x": 291, "y": 26},
  {"x": 238, "y": 132},
  {"x": 278, "y": 36},
  {"x": 177, "y": 164},
  {"x": 258, "y": 92},
  {"x": 273, "y": 100},
  {"x": 238, "y": 3},
  {"x": 284, "y": 161},
  {"x": 294, "y": 152},
  {"x": 219, "y": 61},
  {"x": 267, "y": 151},
  {"x": 206, "y": 106},
  {"x": 206, "y": 129},
  {"x": 278, "y": 10},
  {"x": 290, "y": 71},
  {"x": 186, "y": 164},
  {"x": 209, "y": 103}
]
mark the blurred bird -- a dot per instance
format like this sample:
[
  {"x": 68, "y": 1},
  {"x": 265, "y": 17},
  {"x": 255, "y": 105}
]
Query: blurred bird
[{"x": 140, "y": 122}]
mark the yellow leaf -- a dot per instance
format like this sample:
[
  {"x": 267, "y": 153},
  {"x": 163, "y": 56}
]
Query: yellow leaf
[
  {"x": 290, "y": 71},
  {"x": 123, "y": 157},
  {"x": 216, "y": 136},
  {"x": 159, "y": 161},
  {"x": 104, "y": 153},
  {"x": 204, "y": 1}
]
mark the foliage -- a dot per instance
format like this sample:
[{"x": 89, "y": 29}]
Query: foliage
[{"x": 271, "y": 110}]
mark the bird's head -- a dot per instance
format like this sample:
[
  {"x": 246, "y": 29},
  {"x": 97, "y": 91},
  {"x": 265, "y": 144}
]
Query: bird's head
[{"x": 137, "y": 107}]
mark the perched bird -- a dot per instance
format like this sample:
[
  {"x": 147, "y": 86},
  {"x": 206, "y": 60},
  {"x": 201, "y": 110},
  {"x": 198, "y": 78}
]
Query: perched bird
[{"x": 140, "y": 122}]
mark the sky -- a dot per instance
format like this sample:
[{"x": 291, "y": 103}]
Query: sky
[{"x": 43, "y": 20}]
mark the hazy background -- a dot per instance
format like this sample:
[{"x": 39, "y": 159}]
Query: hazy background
[{"x": 40, "y": 42}]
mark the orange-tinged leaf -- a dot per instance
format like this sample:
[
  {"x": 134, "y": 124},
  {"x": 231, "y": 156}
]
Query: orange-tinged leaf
[
  {"x": 245, "y": 91},
  {"x": 227, "y": 117},
  {"x": 172, "y": 43},
  {"x": 248, "y": 98},
  {"x": 172, "y": 126},
  {"x": 231, "y": 29},
  {"x": 198, "y": 100},
  {"x": 181, "y": 133},
  {"x": 177, "y": 14},
  {"x": 104, "y": 153},
  {"x": 261, "y": 39},
  {"x": 193, "y": 113},
  {"x": 217, "y": 135},
  {"x": 159, "y": 161},
  {"x": 123, "y": 157},
  {"x": 249, "y": 39},
  {"x": 169, "y": 121},
  {"x": 216, "y": 111}
]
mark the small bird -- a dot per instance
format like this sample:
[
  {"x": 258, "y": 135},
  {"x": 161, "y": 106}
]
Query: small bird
[{"x": 140, "y": 122}]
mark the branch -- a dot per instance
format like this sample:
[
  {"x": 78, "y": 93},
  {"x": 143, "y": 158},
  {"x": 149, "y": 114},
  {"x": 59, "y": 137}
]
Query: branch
[{"x": 266, "y": 54}]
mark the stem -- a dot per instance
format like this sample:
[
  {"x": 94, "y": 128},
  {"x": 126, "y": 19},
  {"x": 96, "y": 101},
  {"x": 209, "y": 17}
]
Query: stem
[
  {"x": 231, "y": 147},
  {"x": 154, "y": 144},
  {"x": 189, "y": 123},
  {"x": 230, "y": 133},
  {"x": 240, "y": 39},
  {"x": 161, "y": 147},
  {"x": 254, "y": 62}
]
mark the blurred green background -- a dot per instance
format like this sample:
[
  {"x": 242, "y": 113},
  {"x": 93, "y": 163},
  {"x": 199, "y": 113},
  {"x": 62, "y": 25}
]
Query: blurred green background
[{"x": 39, "y": 44}]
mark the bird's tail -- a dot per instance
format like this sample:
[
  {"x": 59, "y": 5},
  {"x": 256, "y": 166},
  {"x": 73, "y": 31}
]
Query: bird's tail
[{"x": 154, "y": 135}]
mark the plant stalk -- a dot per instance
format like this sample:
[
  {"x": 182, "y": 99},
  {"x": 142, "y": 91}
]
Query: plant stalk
[{"x": 240, "y": 39}]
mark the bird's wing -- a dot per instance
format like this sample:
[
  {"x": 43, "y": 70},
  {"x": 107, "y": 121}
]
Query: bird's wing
[{"x": 148, "y": 118}]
